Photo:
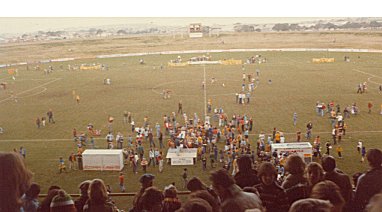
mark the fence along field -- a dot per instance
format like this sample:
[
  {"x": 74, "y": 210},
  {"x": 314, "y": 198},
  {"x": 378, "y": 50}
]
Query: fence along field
[{"x": 297, "y": 84}]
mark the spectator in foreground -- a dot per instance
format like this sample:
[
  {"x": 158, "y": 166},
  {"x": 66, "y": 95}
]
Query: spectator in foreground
[
  {"x": 62, "y": 202},
  {"x": 295, "y": 166},
  {"x": 272, "y": 195},
  {"x": 80, "y": 202},
  {"x": 98, "y": 198},
  {"x": 147, "y": 181},
  {"x": 196, "y": 204},
  {"x": 340, "y": 179},
  {"x": 369, "y": 183},
  {"x": 375, "y": 203},
  {"x": 232, "y": 197},
  {"x": 207, "y": 196},
  {"x": 246, "y": 177},
  {"x": 171, "y": 202},
  {"x": 151, "y": 200},
  {"x": 315, "y": 174},
  {"x": 45, "y": 204},
  {"x": 328, "y": 190},
  {"x": 195, "y": 185},
  {"x": 30, "y": 199},
  {"x": 311, "y": 205},
  {"x": 295, "y": 184},
  {"x": 15, "y": 179}
]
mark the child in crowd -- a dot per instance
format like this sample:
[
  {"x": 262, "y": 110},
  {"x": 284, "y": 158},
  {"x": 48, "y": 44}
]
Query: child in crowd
[
  {"x": 339, "y": 150},
  {"x": 363, "y": 153},
  {"x": 185, "y": 177},
  {"x": 122, "y": 182},
  {"x": 61, "y": 165},
  {"x": 144, "y": 164}
]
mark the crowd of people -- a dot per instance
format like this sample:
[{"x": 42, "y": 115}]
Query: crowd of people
[
  {"x": 247, "y": 177},
  {"x": 307, "y": 187}
]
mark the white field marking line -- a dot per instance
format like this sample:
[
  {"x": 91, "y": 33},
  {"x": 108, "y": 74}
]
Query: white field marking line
[
  {"x": 372, "y": 76},
  {"x": 47, "y": 83},
  {"x": 369, "y": 79},
  {"x": 173, "y": 82},
  {"x": 102, "y": 138},
  {"x": 35, "y": 94},
  {"x": 367, "y": 73},
  {"x": 205, "y": 92}
]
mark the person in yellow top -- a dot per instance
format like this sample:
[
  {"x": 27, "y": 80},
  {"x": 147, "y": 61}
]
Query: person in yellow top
[
  {"x": 339, "y": 151},
  {"x": 277, "y": 137},
  {"x": 78, "y": 99}
]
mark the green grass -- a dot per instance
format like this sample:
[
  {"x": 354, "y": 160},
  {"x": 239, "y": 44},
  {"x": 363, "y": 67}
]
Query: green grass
[{"x": 297, "y": 85}]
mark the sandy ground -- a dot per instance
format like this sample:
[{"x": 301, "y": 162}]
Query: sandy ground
[{"x": 85, "y": 48}]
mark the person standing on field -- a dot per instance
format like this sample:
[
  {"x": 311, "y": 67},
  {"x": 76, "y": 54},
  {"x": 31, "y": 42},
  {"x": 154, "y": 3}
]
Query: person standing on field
[
  {"x": 78, "y": 99},
  {"x": 72, "y": 160},
  {"x": 125, "y": 117},
  {"x": 38, "y": 122},
  {"x": 50, "y": 116},
  {"x": 294, "y": 119},
  {"x": 180, "y": 107},
  {"x": 370, "y": 106},
  {"x": 122, "y": 182},
  {"x": 185, "y": 177},
  {"x": 339, "y": 150}
]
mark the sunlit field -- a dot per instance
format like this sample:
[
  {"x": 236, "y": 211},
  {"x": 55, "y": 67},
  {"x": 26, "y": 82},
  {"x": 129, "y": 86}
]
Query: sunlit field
[{"x": 297, "y": 84}]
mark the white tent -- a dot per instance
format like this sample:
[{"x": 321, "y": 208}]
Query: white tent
[{"x": 103, "y": 159}]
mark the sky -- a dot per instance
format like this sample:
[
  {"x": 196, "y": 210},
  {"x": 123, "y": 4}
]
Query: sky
[{"x": 28, "y": 16}]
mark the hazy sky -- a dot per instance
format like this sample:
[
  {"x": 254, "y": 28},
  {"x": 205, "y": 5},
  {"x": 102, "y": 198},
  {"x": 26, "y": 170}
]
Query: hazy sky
[{"x": 33, "y": 24}]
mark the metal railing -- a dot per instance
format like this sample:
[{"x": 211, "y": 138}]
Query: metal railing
[{"x": 128, "y": 194}]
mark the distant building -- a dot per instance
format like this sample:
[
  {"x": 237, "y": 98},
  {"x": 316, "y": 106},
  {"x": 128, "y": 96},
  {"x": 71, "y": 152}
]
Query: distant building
[{"x": 195, "y": 30}]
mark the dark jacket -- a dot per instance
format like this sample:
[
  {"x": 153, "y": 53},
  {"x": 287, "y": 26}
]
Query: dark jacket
[
  {"x": 99, "y": 207},
  {"x": 80, "y": 202},
  {"x": 274, "y": 197},
  {"x": 343, "y": 181},
  {"x": 239, "y": 200},
  {"x": 297, "y": 192},
  {"x": 247, "y": 179},
  {"x": 369, "y": 184},
  {"x": 292, "y": 180}
]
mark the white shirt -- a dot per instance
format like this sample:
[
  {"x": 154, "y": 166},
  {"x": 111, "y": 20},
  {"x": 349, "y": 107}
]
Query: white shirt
[{"x": 151, "y": 153}]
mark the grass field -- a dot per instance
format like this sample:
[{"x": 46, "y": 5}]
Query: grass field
[{"x": 296, "y": 86}]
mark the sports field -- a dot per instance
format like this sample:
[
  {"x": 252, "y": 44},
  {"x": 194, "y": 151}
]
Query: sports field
[{"x": 297, "y": 84}]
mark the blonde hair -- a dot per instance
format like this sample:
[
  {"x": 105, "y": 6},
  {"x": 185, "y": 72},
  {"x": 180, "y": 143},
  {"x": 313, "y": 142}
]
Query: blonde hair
[{"x": 15, "y": 180}]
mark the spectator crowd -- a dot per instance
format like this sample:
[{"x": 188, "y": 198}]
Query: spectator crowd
[{"x": 306, "y": 187}]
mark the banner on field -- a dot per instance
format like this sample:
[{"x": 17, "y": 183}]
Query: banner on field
[
  {"x": 231, "y": 62},
  {"x": 90, "y": 67},
  {"x": 182, "y": 161},
  {"x": 323, "y": 60},
  {"x": 176, "y": 64}
]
